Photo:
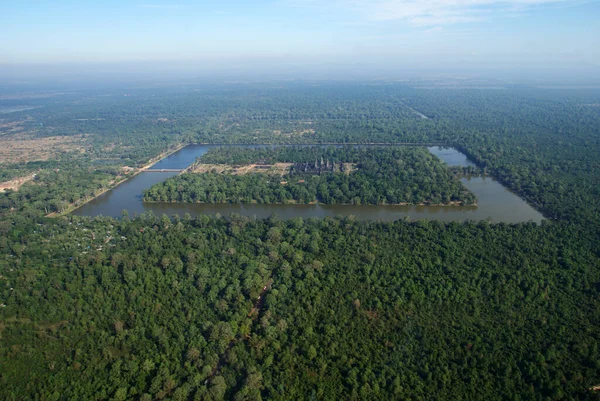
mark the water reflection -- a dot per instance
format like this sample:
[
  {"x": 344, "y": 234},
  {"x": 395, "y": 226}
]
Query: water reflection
[{"x": 451, "y": 156}]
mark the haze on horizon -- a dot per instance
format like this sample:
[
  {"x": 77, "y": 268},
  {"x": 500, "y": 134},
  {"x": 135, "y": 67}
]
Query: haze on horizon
[{"x": 50, "y": 38}]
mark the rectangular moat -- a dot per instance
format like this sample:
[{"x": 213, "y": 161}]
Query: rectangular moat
[{"x": 495, "y": 203}]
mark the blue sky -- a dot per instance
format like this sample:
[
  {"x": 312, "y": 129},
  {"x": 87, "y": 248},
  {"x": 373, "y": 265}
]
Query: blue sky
[{"x": 217, "y": 33}]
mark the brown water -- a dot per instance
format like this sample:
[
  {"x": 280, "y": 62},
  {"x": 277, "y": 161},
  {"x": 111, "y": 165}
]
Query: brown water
[{"x": 495, "y": 203}]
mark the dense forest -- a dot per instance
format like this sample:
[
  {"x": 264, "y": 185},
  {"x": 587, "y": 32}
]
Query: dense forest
[
  {"x": 58, "y": 189},
  {"x": 384, "y": 175},
  {"x": 181, "y": 308},
  {"x": 158, "y": 308}
]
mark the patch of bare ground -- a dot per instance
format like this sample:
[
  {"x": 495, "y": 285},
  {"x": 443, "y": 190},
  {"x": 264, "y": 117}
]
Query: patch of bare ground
[
  {"x": 25, "y": 148},
  {"x": 275, "y": 169},
  {"x": 281, "y": 169},
  {"x": 308, "y": 131},
  {"x": 211, "y": 168},
  {"x": 15, "y": 183},
  {"x": 349, "y": 167}
]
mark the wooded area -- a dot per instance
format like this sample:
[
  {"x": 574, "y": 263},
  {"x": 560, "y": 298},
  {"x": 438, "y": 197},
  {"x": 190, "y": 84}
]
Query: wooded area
[
  {"x": 164, "y": 307},
  {"x": 383, "y": 175}
]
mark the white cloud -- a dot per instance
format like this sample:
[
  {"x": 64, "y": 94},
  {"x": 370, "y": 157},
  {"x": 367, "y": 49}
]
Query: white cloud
[{"x": 430, "y": 12}]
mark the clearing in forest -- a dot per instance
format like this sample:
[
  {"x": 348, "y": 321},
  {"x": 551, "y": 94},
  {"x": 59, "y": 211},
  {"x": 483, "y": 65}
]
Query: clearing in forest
[
  {"x": 26, "y": 148},
  {"x": 15, "y": 183},
  {"x": 274, "y": 169}
]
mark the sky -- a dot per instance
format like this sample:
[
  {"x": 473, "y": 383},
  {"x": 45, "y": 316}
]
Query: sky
[{"x": 258, "y": 34}]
